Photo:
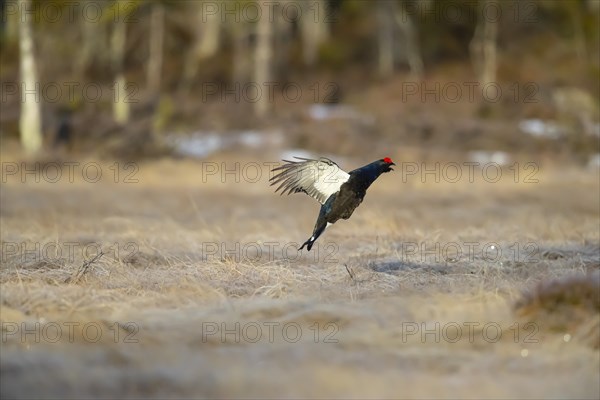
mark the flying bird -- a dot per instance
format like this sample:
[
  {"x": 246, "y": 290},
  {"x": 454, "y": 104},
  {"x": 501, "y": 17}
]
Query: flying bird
[{"x": 338, "y": 191}]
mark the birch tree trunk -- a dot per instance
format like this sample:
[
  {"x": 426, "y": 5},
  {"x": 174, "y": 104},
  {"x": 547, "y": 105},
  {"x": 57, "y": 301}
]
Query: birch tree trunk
[
  {"x": 94, "y": 43},
  {"x": 314, "y": 29},
  {"x": 413, "y": 53},
  {"x": 87, "y": 48},
  {"x": 207, "y": 40},
  {"x": 155, "y": 59},
  {"x": 120, "y": 104},
  {"x": 11, "y": 19},
  {"x": 30, "y": 125},
  {"x": 385, "y": 38},
  {"x": 281, "y": 42},
  {"x": 242, "y": 65},
  {"x": 483, "y": 45},
  {"x": 576, "y": 15},
  {"x": 263, "y": 59}
]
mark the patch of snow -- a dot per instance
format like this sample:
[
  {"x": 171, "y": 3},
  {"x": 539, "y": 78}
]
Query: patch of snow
[
  {"x": 252, "y": 139},
  {"x": 201, "y": 144},
  {"x": 258, "y": 139},
  {"x": 540, "y": 128},
  {"x": 594, "y": 161},
  {"x": 198, "y": 144},
  {"x": 324, "y": 112},
  {"x": 487, "y": 157}
]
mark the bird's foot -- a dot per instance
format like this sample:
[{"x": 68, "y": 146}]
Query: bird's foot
[{"x": 308, "y": 243}]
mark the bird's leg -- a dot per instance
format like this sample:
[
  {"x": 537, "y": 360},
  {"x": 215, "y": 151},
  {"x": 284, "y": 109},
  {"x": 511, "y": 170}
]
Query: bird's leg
[
  {"x": 321, "y": 223},
  {"x": 319, "y": 229},
  {"x": 311, "y": 240}
]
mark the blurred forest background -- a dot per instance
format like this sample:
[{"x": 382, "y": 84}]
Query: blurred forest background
[
  {"x": 136, "y": 79},
  {"x": 151, "y": 94}
]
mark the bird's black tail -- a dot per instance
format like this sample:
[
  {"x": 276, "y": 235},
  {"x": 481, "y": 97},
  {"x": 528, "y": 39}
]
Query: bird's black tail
[{"x": 319, "y": 229}]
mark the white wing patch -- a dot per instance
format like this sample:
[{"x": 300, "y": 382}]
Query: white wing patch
[{"x": 318, "y": 178}]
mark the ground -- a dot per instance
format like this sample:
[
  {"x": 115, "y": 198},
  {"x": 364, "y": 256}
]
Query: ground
[{"x": 433, "y": 289}]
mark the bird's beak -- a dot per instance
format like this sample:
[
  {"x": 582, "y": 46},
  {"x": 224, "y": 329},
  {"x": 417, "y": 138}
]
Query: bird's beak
[{"x": 391, "y": 169}]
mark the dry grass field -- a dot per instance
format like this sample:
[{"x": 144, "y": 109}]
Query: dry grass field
[{"x": 431, "y": 290}]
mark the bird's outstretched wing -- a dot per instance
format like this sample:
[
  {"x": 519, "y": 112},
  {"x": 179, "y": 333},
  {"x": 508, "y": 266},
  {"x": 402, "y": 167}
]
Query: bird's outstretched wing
[{"x": 318, "y": 178}]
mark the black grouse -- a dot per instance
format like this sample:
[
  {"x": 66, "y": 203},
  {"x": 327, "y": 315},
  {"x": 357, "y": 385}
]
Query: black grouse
[{"x": 339, "y": 192}]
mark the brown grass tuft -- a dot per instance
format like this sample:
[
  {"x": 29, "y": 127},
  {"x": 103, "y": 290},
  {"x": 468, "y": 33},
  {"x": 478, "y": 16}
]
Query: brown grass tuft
[{"x": 567, "y": 304}]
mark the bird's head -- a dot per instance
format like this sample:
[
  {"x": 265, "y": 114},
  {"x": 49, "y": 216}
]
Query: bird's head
[{"x": 386, "y": 164}]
